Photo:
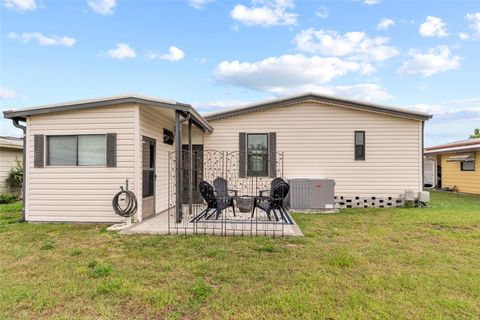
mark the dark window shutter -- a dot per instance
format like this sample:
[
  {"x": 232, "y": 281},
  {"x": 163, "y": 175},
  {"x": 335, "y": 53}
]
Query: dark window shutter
[
  {"x": 272, "y": 154},
  {"x": 111, "y": 150},
  {"x": 39, "y": 151},
  {"x": 242, "y": 155}
]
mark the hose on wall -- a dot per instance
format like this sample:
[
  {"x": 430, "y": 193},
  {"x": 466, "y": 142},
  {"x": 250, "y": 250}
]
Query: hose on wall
[{"x": 131, "y": 203}]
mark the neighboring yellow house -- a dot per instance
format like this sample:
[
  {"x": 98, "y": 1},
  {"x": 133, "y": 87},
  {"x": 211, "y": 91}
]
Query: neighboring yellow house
[
  {"x": 11, "y": 151},
  {"x": 458, "y": 165}
]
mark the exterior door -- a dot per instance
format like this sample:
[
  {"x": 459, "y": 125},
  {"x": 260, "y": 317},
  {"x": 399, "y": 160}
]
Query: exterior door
[
  {"x": 197, "y": 172},
  {"x": 148, "y": 177}
]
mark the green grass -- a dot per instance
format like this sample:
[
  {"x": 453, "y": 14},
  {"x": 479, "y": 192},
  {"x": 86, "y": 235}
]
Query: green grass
[{"x": 358, "y": 264}]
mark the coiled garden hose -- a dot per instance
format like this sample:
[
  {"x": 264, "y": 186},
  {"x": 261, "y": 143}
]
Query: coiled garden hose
[{"x": 131, "y": 203}]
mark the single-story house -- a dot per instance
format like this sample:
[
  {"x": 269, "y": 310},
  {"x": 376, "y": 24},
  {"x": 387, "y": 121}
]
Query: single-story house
[
  {"x": 11, "y": 151},
  {"x": 79, "y": 153},
  {"x": 456, "y": 165}
]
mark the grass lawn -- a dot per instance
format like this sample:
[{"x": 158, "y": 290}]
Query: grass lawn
[{"x": 360, "y": 263}]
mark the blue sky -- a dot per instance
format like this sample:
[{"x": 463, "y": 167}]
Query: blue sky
[{"x": 422, "y": 55}]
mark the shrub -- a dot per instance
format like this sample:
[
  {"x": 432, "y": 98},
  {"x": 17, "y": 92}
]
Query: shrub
[
  {"x": 6, "y": 198},
  {"x": 15, "y": 178}
]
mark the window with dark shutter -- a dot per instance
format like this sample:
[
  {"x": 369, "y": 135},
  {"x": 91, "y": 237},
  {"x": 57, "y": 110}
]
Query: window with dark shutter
[
  {"x": 257, "y": 154},
  {"x": 359, "y": 145}
]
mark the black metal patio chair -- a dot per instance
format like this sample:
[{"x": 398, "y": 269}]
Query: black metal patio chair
[
  {"x": 273, "y": 202},
  {"x": 221, "y": 189},
  {"x": 275, "y": 182},
  {"x": 215, "y": 204}
]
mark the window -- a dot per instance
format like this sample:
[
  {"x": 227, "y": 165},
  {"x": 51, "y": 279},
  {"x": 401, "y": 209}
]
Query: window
[
  {"x": 359, "y": 145},
  {"x": 148, "y": 167},
  {"x": 84, "y": 150},
  {"x": 467, "y": 165},
  {"x": 91, "y": 150},
  {"x": 257, "y": 155},
  {"x": 62, "y": 151}
]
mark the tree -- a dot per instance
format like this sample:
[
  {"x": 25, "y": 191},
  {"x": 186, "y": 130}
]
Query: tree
[{"x": 476, "y": 133}]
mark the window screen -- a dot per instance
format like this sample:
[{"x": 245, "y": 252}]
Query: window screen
[
  {"x": 62, "y": 151},
  {"x": 467, "y": 165},
  {"x": 359, "y": 145},
  {"x": 257, "y": 155},
  {"x": 91, "y": 150}
]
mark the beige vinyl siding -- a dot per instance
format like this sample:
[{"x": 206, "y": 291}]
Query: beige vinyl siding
[
  {"x": 152, "y": 122},
  {"x": 197, "y": 134},
  {"x": 318, "y": 141},
  {"x": 8, "y": 160},
  {"x": 80, "y": 194}
]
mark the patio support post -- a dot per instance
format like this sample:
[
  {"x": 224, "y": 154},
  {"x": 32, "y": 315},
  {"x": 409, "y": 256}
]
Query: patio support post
[
  {"x": 178, "y": 167},
  {"x": 190, "y": 166}
]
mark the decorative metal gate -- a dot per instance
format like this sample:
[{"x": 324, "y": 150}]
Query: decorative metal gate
[{"x": 208, "y": 165}]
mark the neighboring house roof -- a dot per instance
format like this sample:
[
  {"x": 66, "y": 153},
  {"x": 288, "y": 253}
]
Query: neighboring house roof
[
  {"x": 108, "y": 101},
  {"x": 457, "y": 146},
  {"x": 339, "y": 102},
  {"x": 11, "y": 142}
]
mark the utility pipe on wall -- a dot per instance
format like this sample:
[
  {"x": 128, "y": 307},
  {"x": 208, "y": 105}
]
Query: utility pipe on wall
[{"x": 24, "y": 129}]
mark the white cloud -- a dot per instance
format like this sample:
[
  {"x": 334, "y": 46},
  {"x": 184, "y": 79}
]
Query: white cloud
[
  {"x": 433, "y": 27},
  {"x": 463, "y": 36},
  {"x": 174, "y": 54},
  {"x": 103, "y": 7},
  {"x": 385, "y": 23},
  {"x": 434, "y": 60},
  {"x": 371, "y": 2},
  {"x": 20, "y": 5},
  {"x": 351, "y": 44},
  {"x": 452, "y": 120},
  {"x": 199, "y": 4},
  {"x": 361, "y": 91},
  {"x": 322, "y": 12},
  {"x": 122, "y": 51},
  {"x": 276, "y": 74},
  {"x": 43, "y": 40},
  {"x": 7, "y": 93},
  {"x": 220, "y": 104},
  {"x": 265, "y": 13},
  {"x": 474, "y": 18}
]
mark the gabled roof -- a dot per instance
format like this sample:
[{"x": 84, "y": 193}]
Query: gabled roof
[
  {"x": 108, "y": 101},
  {"x": 457, "y": 146},
  {"x": 11, "y": 142},
  {"x": 334, "y": 101}
]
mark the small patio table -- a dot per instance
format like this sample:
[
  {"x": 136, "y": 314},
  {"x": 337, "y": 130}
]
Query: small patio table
[{"x": 245, "y": 202}]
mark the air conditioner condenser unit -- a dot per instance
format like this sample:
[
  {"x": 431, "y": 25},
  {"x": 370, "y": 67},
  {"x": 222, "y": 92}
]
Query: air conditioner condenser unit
[{"x": 311, "y": 193}]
